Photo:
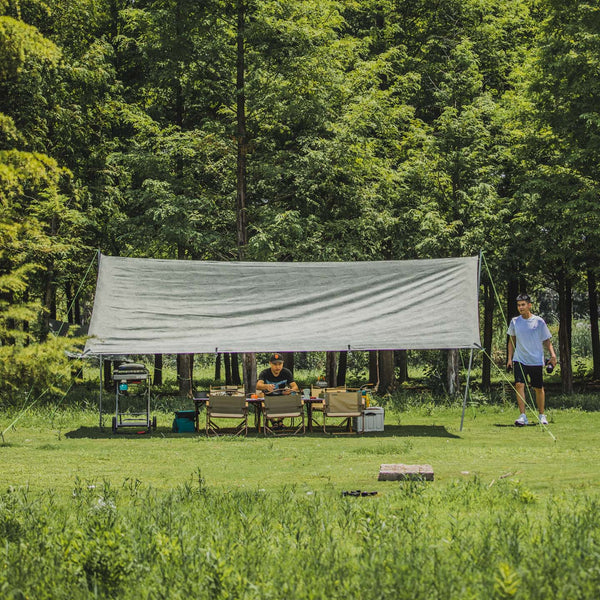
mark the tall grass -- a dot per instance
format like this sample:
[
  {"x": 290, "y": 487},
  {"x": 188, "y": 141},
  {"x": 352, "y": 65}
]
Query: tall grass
[{"x": 463, "y": 540}]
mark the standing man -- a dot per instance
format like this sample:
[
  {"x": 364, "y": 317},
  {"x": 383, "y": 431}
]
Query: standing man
[
  {"x": 529, "y": 335},
  {"x": 276, "y": 380}
]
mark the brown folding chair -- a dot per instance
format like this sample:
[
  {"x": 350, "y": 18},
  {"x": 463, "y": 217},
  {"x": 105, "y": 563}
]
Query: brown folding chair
[
  {"x": 222, "y": 406},
  {"x": 281, "y": 408},
  {"x": 342, "y": 406},
  {"x": 319, "y": 392}
]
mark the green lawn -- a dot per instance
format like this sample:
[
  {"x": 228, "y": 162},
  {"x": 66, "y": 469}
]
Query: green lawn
[
  {"x": 49, "y": 450},
  {"x": 512, "y": 513}
]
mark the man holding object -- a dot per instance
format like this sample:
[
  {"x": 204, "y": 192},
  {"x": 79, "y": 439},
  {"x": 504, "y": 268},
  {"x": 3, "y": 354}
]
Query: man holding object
[
  {"x": 276, "y": 380},
  {"x": 529, "y": 336}
]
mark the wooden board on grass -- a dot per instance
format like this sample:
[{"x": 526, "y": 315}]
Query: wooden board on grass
[{"x": 400, "y": 472}]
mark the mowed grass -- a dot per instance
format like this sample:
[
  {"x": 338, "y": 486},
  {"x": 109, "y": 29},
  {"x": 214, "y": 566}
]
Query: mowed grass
[
  {"x": 48, "y": 449},
  {"x": 512, "y": 513}
]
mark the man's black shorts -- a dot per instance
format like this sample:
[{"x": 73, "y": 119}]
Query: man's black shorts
[{"x": 531, "y": 372}]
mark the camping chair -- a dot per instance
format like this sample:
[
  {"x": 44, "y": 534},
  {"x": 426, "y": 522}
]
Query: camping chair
[
  {"x": 343, "y": 405},
  {"x": 222, "y": 406},
  {"x": 319, "y": 392},
  {"x": 279, "y": 408}
]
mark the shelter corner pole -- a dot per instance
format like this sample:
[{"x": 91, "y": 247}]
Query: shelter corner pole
[
  {"x": 101, "y": 382},
  {"x": 464, "y": 406}
]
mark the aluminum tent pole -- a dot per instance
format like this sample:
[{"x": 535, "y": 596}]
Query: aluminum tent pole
[
  {"x": 101, "y": 371},
  {"x": 464, "y": 406}
]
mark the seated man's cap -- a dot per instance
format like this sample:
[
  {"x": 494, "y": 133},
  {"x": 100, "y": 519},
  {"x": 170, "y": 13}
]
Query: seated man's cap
[{"x": 276, "y": 357}]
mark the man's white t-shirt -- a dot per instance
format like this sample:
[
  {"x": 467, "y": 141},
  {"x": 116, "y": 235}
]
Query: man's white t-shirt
[{"x": 530, "y": 334}]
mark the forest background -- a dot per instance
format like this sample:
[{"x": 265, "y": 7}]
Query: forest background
[{"x": 296, "y": 130}]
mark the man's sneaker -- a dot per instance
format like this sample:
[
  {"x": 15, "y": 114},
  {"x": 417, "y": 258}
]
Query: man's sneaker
[
  {"x": 542, "y": 419},
  {"x": 522, "y": 421}
]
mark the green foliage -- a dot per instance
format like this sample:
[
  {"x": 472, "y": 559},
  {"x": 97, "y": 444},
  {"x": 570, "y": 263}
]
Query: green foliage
[
  {"x": 419, "y": 542},
  {"x": 375, "y": 130},
  {"x": 37, "y": 372},
  {"x": 22, "y": 46}
]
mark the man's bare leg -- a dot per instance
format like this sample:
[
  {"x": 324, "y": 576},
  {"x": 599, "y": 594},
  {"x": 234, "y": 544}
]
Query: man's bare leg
[
  {"x": 520, "y": 387},
  {"x": 540, "y": 399}
]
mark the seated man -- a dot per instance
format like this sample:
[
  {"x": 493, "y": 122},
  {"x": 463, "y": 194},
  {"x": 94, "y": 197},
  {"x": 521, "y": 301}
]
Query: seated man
[{"x": 276, "y": 380}]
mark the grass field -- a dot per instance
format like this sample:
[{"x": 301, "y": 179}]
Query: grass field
[
  {"x": 49, "y": 449},
  {"x": 511, "y": 513}
]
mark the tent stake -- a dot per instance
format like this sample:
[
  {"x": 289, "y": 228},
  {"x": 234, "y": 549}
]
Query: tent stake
[{"x": 462, "y": 418}]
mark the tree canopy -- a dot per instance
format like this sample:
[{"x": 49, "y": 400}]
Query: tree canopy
[{"x": 379, "y": 129}]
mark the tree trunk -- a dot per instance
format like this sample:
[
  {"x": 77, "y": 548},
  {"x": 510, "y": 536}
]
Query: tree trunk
[
  {"x": 158, "y": 370},
  {"x": 288, "y": 361},
  {"x": 342, "y": 367},
  {"x": 77, "y": 311},
  {"x": 185, "y": 371},
  {"x": 70, "y": 320},
  {"x": 401, "y": 357},
  {"x": 453, "y": 372},
  {"x": 373, "y": 367},
  {"x": 184, "y": 367},
  {"x": 488, "y": 331},
  {"x": 218, "y": 367},
  {"x": 387, "y": 378},
  {"x": 227, "y": 361},
  {"x": 593, "y": 300},
  {"x": 242, "y": 141},
  {"x": 512, "y": 291},
  {"x": 107, "y": 375},
  {"x": 69, "y": 300},
  {"x": 249, "y": 360},
  {"x": 235, "y": 370},
  {"x": 249, "y": 368},
  {"x": 569, "y": 312},
  {"x": 564, "y": 329},
  {"x": 49, "y": 297},
  {"x": 331, "y": 369}
]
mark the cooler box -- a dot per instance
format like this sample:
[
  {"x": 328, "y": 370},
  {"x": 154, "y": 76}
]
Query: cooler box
[
  {"x": 185, "y": 421},
  {"x": 373, "y": 419}
]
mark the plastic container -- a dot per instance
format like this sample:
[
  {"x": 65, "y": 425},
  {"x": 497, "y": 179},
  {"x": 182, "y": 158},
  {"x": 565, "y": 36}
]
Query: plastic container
[{"x": 372, "y": 418}]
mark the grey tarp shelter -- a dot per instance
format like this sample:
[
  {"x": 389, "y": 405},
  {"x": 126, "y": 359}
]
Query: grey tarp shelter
[{"x": 155, "y": 306}]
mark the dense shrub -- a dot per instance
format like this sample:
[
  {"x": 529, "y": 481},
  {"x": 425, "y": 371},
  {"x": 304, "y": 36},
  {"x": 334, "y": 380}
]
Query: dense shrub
[
  {"x": 461, "y": 540},
  {"x": 41, "y": 371}
]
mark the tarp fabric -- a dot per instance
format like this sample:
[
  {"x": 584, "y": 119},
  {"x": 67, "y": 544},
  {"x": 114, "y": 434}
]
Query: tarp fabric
[{"x": 151, "y": 306}]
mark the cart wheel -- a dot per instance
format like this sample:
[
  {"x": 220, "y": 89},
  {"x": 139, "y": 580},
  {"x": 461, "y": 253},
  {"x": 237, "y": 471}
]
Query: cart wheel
[
  {"x": 154, "y": 422},
  {"x": 114, "y": 424}
]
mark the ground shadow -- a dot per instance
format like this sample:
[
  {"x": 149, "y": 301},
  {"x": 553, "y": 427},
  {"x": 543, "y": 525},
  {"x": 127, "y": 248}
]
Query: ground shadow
[
  {"x": 107, "y": 432},
  {"x": 414, "y": 431},
  {"x": 436, "y": 431},
  {"x": 515, "y": 426}
]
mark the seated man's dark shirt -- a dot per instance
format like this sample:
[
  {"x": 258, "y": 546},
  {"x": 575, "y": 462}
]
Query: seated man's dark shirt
[{"x": 283, "y": 380}]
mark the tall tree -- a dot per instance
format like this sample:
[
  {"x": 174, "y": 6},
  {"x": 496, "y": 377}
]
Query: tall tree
[
  {"x": 566, "y": 148},
  {"x": 38, "y": 204}
]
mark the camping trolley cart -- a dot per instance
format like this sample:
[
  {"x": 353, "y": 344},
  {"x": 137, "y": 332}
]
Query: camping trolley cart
[{"x": 132, "y": 397}]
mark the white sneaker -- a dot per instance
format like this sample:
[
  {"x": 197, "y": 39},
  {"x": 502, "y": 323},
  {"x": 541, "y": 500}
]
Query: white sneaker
[
  {"x": 542, "y": 419},
  {"x": 522, "y": 421}
]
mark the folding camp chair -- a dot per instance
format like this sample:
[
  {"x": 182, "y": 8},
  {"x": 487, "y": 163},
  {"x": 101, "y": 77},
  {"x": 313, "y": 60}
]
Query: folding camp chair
[
  {"x": 281, "y": 408},
  {"x": 222, "y": 406},
  {"x": 343, "y": 406},
  {"x": 319, "y": 392}
]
